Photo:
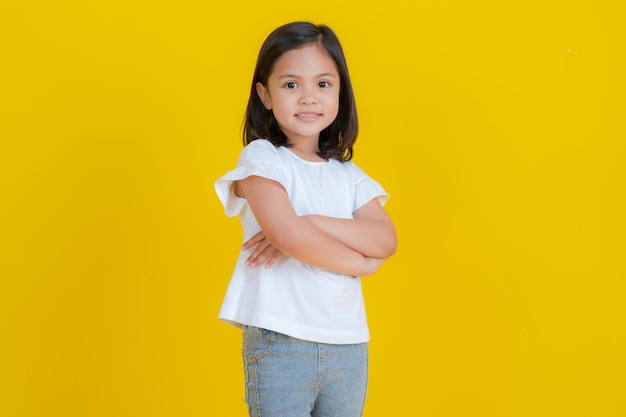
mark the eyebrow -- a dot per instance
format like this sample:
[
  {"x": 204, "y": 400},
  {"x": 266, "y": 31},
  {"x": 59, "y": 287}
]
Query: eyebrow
[{"x": 325, "y": 74}]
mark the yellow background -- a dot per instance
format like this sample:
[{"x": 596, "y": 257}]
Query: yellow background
[{"x": 498, "y": 128}]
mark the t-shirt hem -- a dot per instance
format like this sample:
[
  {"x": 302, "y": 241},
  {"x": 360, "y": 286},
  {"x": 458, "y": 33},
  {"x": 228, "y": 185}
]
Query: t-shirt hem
[{"x": 299, "y": 331}]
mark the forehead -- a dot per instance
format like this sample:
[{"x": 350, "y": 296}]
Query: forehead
[{"x": 311, "y": 59}]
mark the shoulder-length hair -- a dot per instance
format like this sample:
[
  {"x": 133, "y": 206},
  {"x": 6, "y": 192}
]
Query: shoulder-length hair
[{"x": 337, "y": 140}]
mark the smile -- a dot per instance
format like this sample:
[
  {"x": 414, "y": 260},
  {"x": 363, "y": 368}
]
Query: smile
[{"x": 308, "y": 116}]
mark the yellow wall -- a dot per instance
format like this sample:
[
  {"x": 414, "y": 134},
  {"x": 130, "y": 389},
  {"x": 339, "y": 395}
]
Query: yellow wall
[{"x": 498, "y": 127}]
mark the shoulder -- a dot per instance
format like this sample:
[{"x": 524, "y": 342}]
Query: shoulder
[
  {"x": 260, "y": 145},
  {"x": 354, "y": 169},
  {"x": 258, "y": 150}
]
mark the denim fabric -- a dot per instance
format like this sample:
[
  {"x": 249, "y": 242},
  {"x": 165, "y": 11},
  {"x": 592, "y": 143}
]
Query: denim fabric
[{"x": 288, "y": 377}]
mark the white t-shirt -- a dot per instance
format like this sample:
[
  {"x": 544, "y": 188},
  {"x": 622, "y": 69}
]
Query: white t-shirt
[{"x": 292, "y": 297}]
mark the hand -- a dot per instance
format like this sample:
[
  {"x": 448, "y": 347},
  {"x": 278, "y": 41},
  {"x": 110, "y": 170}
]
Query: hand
[{"x": 264, "y": 252}]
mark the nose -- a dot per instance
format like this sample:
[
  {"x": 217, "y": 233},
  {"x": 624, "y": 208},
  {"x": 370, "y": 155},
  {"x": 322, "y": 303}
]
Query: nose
[{"x": 308, "y": 96}]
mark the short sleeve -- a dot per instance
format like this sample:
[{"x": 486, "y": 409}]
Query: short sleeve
[
  {"x": 366, "y": 189},
  {"x": 258, "y": 158}
]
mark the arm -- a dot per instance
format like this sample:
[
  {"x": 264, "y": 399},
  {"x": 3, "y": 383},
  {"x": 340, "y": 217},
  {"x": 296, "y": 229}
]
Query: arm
[
  {"x": 295, "y": 236},
  {"x": 370, "y": 233}
]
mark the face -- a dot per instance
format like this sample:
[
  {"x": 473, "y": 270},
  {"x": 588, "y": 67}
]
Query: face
[{"x": 302, "y": 92}]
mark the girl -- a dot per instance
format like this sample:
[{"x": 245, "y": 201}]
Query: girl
[{"x": 313, "y": 224}]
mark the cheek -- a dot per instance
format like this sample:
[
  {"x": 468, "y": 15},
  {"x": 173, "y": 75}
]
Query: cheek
[
  {"x": 283, "y": 103},
  {"x": 336, "y": 102}
]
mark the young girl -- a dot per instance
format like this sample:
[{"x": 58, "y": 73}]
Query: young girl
[{"x": 313, "y": 224}]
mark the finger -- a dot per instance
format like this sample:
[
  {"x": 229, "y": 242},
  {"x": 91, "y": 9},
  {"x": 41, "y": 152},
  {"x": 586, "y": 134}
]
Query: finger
[
  {"x": 259, "y": 255},
  {"x": 259, "y": 249},
  {"x": 258, "y": 237},
  {"x": 276, "y": 256}
]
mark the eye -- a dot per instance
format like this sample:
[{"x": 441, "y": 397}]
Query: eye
[
  {"x": 290, "y": 85},
  {"x": 323, "y": 84}
]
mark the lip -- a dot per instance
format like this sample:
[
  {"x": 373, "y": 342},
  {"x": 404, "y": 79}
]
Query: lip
[{"x": 308, "y": 116}]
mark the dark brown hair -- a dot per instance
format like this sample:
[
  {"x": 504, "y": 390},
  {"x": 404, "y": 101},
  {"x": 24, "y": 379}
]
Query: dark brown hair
[{"x": 337, "y": 140}]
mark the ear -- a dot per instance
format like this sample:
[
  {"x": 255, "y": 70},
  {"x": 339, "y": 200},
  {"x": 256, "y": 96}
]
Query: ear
[{"x": 264, "y": 95}]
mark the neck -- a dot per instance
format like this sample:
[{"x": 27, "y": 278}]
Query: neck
[{"x": 306, "y": 149}]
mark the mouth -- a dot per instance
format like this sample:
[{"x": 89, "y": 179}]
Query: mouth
[{"x": 308, "y": 116}]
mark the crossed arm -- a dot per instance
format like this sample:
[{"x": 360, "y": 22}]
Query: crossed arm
[{"x": 350, "y": 246}]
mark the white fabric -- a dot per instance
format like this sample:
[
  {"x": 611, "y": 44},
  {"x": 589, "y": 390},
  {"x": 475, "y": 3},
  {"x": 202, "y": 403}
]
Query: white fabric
[{"x": 291, "y": 297}]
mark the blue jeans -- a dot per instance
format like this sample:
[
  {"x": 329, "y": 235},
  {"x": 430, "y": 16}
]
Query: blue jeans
[{"x": 288, "y": 377}]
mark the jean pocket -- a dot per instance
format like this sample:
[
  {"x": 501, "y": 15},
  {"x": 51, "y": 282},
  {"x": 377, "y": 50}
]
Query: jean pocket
[{"x": 257, "y": 343}]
